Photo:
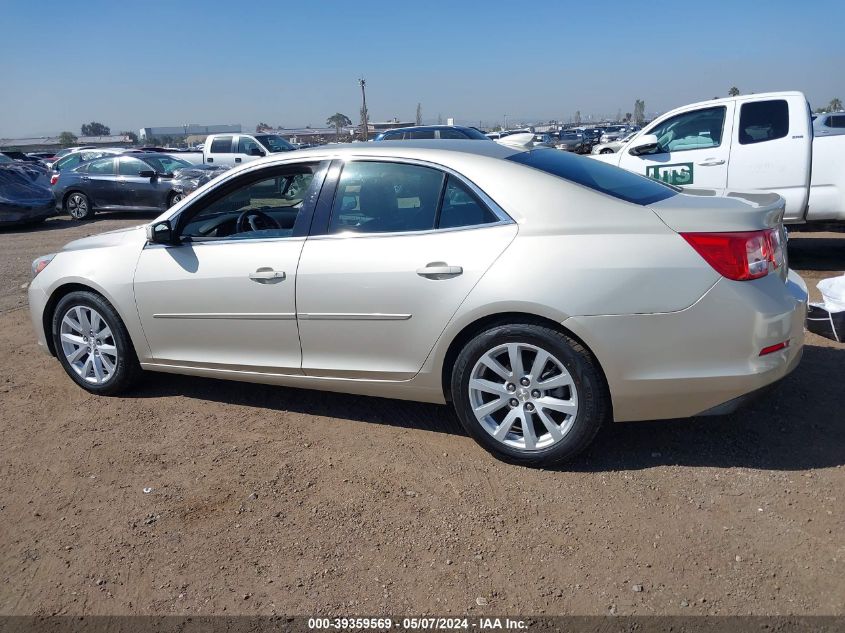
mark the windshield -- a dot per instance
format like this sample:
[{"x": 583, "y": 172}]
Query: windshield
[
  {"x": 274, "y": 143},
  {"x": 166, "y": 164},
  {"x": 596, "y": 175}
]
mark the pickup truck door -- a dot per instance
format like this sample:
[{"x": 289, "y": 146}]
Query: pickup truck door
[
  {"x": 220, "y": 151},
  {"x": 772, "y": 150},
  {"x": 245, "y": 149},
  {"x": 694, "y": 148}
]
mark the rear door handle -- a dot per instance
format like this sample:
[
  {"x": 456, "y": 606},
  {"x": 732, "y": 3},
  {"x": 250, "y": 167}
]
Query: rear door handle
[
  {"x": 712, "y": 162},
  {"x": 267, "y": 276},
  {"x": 439, "y": 270},
  {"x": 237, "y": 160},
  {"x": 209, "y": 160}
]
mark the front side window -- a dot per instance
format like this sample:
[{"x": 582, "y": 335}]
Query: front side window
[
  {"x": 263, "y": 208},
  {"x": 762, "y": 121},
  {"x": 274, "y": 143},
  {"x": 221, "y": 145},
  {"x": 164, "y": 164},
  {"x": 131, "y": 167},
  {"x": 450, "y": 133},
  {"x": 246, "y": 146},
  {"x": 102, "y": 167},
  {"x": 698, "y": 129}
]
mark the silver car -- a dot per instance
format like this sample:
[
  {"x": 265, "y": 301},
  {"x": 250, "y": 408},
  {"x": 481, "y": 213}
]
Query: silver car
[{"x": 538, "y": 292}]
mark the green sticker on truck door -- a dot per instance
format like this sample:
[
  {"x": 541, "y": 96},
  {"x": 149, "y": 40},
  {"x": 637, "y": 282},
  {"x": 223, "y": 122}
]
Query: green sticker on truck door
[{"x": 677, "y": 174}]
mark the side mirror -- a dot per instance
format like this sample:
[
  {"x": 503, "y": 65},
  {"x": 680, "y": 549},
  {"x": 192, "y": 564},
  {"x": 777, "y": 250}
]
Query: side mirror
[
  {"x": 160, "y": 233},
  {"x": 147, "y": 173},
  {"x": 645, "y": 144},
  {"x": 256, "y": 152}
]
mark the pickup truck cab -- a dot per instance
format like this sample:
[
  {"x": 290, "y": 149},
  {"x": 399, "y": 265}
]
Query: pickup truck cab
[
  {"x": 228, "y": 150},
  {"x": 749, "y": 142}
]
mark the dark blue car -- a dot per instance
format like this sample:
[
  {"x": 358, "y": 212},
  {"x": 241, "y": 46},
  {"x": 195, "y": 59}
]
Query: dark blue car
[{"x": 136, "y": 182}]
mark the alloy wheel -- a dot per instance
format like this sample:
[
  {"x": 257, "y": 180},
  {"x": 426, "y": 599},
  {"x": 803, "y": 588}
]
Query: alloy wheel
[
  {"x": 88, "y": 344},
  {"x": 77, "y": 205},
  {"x": 523, "y": 396}
]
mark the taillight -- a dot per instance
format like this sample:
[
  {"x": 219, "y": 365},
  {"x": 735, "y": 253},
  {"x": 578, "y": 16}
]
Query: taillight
[
  {"x": 54, "y": 179},
  {"x": 740, "y": 256}
]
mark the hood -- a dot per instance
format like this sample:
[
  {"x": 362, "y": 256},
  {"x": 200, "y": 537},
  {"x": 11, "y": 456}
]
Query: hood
[
  {"x": 103, "y": 240},
  {"x": 720, "y": 210}
]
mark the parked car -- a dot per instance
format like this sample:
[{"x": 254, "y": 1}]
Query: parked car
[
  {"x": 572, "y": 141},
  {"x": 238, "y": 282},
  {"x": 24, "y": 196},
  {"x": 74, "y": 159},
  {"x": 611, "y": 146},
  {"x": 829, "y": 124},
  {"x": 722, "y": 144},
  {"x": 233, "y": 149},
  {"x": 544, "y": 140},
  {"x": 612, "y": 133},
  {"x": 137, "y": 182},
  {"x": 19, "y": 156},
  {"x": 593, "y": 134},
  {"x": 428, "y": 132}
]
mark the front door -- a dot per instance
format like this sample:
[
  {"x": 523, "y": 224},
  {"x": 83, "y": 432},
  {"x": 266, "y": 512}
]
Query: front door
[
  {"x": 693, "y": 151},
  {"x": 403, "y": 247},
  {"x": 224, "y": 296}
]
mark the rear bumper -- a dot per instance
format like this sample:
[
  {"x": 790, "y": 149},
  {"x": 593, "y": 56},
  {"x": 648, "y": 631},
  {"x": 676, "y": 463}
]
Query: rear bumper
[{"x": 701, "y": 359}]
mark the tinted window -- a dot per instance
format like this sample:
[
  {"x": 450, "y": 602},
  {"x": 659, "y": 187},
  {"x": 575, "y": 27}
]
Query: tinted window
[
  {"x": 246, "y": 145},
  {"x": 836, "y": 121},
  {"x": 446, "y": 132},
  {"x": 131, "y": 167},
  {"x": 462, "y": 208},
  {"x": 274, "y": 143},
  {"x": 377, "y": 197},
  {"x": 472, "y": 133},
  {"x": 258, "y": 209},
  {"x": 763, "y": 121},
  {"x": 102, "y": 166},
  {"x": 698, "y": 129},
  {"x": 596, "y": 175},
  {"x": 421, "y": 134},
  {"x": 221, "y": 145}
]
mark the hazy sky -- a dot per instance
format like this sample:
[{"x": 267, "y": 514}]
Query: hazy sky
[{"x": 138, "y": 64}]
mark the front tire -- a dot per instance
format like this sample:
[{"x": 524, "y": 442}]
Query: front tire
[
  {"x": 92, "y": 344},
  {"x": 529, "y": 394},
  {"x": 78, "y": 206},
  {"x": 174, "y": 198}
]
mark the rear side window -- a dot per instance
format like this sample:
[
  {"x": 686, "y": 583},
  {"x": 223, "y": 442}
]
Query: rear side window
[
  {"x": 421, "y": 134},
  {"x": 450, "y": 133},
  {"x": 763, "y": 121},
  {"x": 102, "y": 166},
  {"x": 222, "y": 145},
  {"x": 836, "y": 121},
  {"x": 462, "y": 208},
  {"x": 596, "y": 175}
]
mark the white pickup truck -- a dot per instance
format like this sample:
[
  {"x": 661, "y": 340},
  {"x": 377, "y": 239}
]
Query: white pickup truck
[
  {"x": 228, "y": 150},
  {"x": 751, "y": 142}
]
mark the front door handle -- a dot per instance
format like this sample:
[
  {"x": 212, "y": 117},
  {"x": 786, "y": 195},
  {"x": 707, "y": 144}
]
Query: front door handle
[
  {"x": 267, "y": 276},
  {"x": 712, "y": 162},
  {"x": 439, "y": 270},
  {"x": 237, "y": 160}
]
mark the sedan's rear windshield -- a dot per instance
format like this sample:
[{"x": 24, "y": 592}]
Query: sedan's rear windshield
[{"x": 596, "y": 175}]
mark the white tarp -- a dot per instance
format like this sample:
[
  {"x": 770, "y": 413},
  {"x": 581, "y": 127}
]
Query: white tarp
[{"x": 833, "y": 292}]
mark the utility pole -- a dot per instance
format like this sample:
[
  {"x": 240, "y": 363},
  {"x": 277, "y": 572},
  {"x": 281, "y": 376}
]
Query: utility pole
[{"x": 364, "y": 117}]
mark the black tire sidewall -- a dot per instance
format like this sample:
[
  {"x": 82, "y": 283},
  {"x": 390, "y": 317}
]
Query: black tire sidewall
[
  {"x": 592, "y": 398},
  {"x": 127, "y": 362}
]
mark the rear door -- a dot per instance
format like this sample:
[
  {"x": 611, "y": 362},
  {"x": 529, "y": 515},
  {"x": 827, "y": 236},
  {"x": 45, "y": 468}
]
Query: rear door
[
  {"x": 220, "y": 152},
  {"x": 772, "y": 150},
  {"x": 694, "y": 148},
  {"x": 401, "y": 246},
  {"x": 100, "y": 182}
]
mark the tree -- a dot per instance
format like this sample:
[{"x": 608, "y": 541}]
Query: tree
[
  {"x": 628, "y": 116},
  {"x": 338, "y": 120},
  {"x": 95, "y": 129},
  {"x": 132, "y": 136},
  {"x": 419, "y": 114},
  {"x": 835, "y": 104},
  {"x": 577, "y": 119},
  {"x": 733, "y": 92},
  {"x": 66, "y": 139},
  {"x": 639, "y": 111},
  {"x": 263, "y": 127}
]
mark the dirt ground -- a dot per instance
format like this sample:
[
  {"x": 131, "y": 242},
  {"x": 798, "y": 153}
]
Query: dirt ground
[{"x": 196, "y": 496}]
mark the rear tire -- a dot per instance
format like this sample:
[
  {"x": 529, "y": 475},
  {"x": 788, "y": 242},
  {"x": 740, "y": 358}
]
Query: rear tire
[
  {"x": 529, "y": 394},
  {"x": 78, "y": 206},
  {"x": 93, "y": 345}
]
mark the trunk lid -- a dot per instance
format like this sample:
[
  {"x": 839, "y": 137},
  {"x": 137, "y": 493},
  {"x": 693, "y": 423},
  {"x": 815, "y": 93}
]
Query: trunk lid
[{"x": 720, "y": 210}]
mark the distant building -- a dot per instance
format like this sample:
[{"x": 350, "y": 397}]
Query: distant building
[
  {"x": 187, "y": 130},
  {"x": 47, "y": 143},
  {"x": 376, "y": 127}
]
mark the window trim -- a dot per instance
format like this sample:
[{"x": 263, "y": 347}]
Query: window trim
[
  {"x": 303, "y": 221},
  {"x": 724, "y": 109},
  {"x": 325, "y": 204}
]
